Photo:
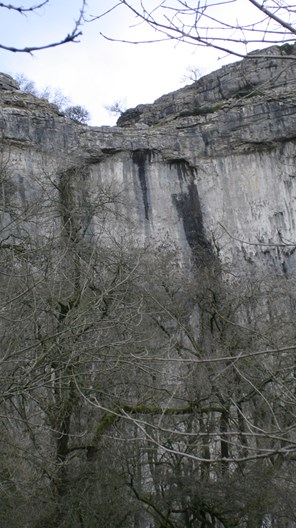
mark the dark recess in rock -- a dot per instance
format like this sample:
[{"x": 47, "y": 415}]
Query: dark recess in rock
[
  {"x": 188, "y": 206},
  {"x": 140, "y": 158},
  {"x": 183, "y": 170}
]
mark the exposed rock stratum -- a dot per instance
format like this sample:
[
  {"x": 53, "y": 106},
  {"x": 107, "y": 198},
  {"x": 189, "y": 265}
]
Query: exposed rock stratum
[
  {"x": 212, "y": 163},
  {"x": 146, "y": 380}
]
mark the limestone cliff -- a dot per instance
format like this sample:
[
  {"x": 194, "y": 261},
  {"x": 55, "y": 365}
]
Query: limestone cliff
[
  {"x": 135, "y": 394},
  {"x": 210, "y": 165}
]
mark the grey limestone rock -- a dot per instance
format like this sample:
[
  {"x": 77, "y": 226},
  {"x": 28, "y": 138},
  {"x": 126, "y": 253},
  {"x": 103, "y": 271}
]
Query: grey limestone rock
[
  {"x": 8, "y": 83},
  {"x": 259, "y": 72},
  {"x": 220, "y": 151},
  {"x": 203, "y": 179}
]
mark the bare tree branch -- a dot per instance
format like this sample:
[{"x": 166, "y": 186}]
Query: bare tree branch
[
  {"x": 273, "y": 16},
  {"x": 201, "y": 25},
  {"x": 24, "y": 10},
  {"x": 70, "y": 37}
]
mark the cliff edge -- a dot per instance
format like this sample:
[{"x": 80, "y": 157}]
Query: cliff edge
[{"x": 210, "y": 165}]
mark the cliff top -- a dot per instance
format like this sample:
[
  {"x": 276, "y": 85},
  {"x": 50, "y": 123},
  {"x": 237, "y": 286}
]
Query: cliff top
[
  {"x": 259, "y": 72},
  {"x": 242, "y": 107},
  {"x": 7, "y": 83},
  {"x": 270, "y": 71}
]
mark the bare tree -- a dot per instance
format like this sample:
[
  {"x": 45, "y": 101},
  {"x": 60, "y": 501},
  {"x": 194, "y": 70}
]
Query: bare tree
[
  {"x": 134, "y": 392},
  {"x": 77, "y": 113},
  {"x": 55, "y": 96},
  {"x": 228, "y": 428},
  {"x": 76, "y": 325},
  {"x": 192, "y": 74},
  {"x": 117, "y": 108},
  {"x": 231, "y": 26}
]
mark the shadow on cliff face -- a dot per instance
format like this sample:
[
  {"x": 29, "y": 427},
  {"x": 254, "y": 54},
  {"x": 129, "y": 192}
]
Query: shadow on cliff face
[
  {"x": 140, "y": 158},
  {"x": 188, "y": 206},
  {"x": 186, "y": 202}
]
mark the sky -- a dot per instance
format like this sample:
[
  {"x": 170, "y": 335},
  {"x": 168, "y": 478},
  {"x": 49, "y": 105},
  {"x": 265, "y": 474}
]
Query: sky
[{"x": 96, "y": 72}]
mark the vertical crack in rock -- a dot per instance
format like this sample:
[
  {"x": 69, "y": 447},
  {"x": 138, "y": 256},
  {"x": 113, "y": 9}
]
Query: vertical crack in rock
[
  {"x": 140, "y": 158},
  {"x": 188, "y": 207}
]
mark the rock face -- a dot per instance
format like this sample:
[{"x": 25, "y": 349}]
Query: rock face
[
  {"x": 245, "y": 79},
  {"x": 135, "y": 393},
  {"x": 7, "y": 83},
  {"x": 209, "y": 165}
]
